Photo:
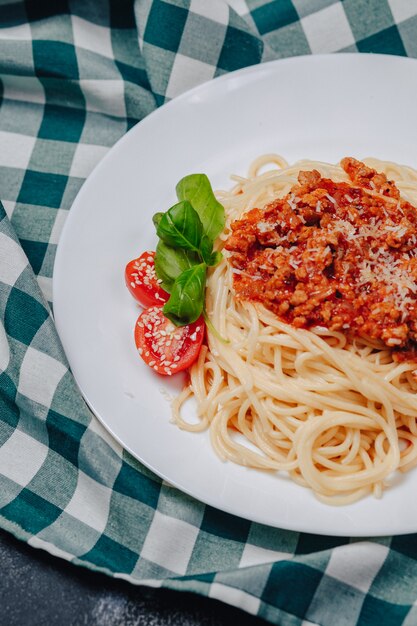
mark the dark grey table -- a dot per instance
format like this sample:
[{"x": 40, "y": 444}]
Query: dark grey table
[{"x": 37, "y": 589}]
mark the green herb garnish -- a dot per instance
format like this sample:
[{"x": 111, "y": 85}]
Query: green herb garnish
[
  {"x": 171, "y": 262},
  {"x": 197, "y": 190},
  {"x": 187, "y": 232},
  {"x": 185, "y": 303}
]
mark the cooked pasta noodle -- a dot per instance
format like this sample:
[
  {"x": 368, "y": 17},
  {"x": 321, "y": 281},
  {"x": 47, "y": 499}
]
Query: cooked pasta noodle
[{"x": 337, "y": 414}]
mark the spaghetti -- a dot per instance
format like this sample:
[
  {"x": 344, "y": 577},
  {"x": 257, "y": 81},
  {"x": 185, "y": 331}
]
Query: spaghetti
[{"x": 330, "y": 403}]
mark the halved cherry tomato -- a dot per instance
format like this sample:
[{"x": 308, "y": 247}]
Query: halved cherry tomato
[
  {"x": 166, "y": 348},
  {"x": 142, "y": 281}
]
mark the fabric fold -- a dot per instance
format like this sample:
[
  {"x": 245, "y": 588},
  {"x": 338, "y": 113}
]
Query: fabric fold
[{"x": 176, "y": 55}]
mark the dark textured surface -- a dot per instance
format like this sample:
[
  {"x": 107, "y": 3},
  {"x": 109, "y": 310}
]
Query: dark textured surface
[{"x": 37, "y": 589}]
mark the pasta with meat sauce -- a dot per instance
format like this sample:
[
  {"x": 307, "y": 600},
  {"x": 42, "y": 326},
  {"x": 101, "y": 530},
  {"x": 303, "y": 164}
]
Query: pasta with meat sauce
[{"x": 313, "y": 368}]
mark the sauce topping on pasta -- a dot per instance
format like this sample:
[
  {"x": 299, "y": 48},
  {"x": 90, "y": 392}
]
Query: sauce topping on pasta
[{"x": 340, "y": 255}]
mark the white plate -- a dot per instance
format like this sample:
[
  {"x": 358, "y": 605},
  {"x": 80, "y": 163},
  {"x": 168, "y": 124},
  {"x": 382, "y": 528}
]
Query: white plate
[{"x": 320, "y": 107}]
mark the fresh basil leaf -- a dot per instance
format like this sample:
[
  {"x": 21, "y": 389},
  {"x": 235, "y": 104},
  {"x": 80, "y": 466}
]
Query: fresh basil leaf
[
  {"x": 186, "y": 302},
  {"x": 157, "y": 218},
  {"x": 196, "y": 188},
  {"x": 171, "y": 262},
  {"x": 215, "y": 258},
  {"x": 181, "y": 227},
  {"x": 206, "y": 250}
]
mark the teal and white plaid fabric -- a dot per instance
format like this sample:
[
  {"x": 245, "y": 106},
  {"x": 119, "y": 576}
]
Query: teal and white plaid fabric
[{"x": 75, "y": 75}]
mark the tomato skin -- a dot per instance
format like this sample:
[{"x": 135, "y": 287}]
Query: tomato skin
[
  {"x": 166, "y": 348},
  {"x": 142, "y": 281}
]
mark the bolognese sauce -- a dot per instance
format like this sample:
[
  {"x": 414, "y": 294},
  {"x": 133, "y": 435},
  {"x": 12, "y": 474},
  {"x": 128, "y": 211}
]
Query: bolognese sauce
[{"x": 339, "y": 255}]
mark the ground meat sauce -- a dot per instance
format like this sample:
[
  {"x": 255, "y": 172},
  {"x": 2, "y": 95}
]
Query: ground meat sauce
[{"x": 335, "y": 255}]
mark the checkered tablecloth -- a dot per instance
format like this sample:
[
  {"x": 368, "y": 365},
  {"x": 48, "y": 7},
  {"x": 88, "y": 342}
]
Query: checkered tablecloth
[{"x": 75, "y": 75}]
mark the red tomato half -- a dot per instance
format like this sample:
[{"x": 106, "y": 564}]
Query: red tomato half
[
  {"x": 142, "y": 281},
  {"x": 166, "y": 348}
]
